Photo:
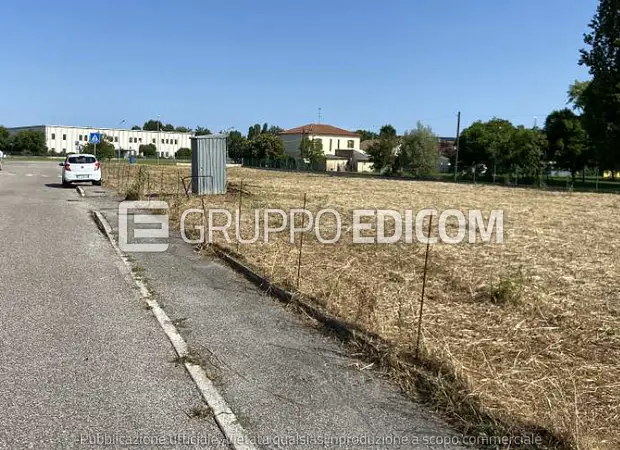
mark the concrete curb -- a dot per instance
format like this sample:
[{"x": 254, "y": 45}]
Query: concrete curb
[
  {"x": 222, "y": 414},
  {"x": 80, "y": 191}
]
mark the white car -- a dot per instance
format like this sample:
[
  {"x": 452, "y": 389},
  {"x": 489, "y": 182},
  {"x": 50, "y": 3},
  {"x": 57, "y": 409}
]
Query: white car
[{"x": 78, "y": 168}]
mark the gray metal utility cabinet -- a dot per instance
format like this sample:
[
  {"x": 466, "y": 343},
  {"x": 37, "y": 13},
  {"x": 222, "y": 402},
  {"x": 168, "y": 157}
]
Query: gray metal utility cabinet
[{"x": 209, "y": 156}]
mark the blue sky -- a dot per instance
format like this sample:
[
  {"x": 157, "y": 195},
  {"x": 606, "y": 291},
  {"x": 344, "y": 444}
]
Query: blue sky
[{"x": 234, "y": 63}]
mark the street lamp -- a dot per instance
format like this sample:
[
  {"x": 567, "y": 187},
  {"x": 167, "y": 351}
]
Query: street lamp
[{"x": 119, "y": 137}]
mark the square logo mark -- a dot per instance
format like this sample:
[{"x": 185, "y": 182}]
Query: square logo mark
[{"x": 137, "y": 238}]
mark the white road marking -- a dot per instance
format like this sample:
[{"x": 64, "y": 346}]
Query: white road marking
[
  {"x": 29, "y": 175},
  {"x": 223, "y": 415}
]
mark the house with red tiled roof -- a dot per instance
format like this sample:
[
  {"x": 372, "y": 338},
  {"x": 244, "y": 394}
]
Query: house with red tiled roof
[{"x": 332, "y": 138}]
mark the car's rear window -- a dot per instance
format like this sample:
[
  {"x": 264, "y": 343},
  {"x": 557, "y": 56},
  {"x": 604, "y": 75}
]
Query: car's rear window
[{"x": 82, "y": 160}]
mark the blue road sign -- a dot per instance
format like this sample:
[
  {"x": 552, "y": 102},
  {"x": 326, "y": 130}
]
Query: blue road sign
[{"x": 94, "y": 138}]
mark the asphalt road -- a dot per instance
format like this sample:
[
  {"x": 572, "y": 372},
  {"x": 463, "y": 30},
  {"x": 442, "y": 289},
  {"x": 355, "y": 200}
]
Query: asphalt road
[
  {"x": 286, "y": 381},
  {"x": 82, "y": 360}
]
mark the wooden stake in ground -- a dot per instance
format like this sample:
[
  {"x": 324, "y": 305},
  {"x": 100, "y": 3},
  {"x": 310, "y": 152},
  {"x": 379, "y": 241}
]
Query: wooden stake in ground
[
  {"x": 140, "y": 186},
  {"x": 204, "y": 218},
  {"x": 161, "y": 184},
  {"x": 597, "y": 179},
  {"x": 301, "y": 244},
  {"x": 239, "y": 214},
  {"x": 428, "y": 248}
]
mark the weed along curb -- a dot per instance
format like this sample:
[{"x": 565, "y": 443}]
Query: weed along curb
[
  {"x": 345, "y": 330},
  {"x": 80, "y": 191},
  {"x": 222, "y": 414},
  {"x": 420, "y": 378}
]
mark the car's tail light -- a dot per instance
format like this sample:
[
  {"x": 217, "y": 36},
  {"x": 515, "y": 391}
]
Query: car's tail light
[
  {"x": 68, "y": 167},
  {"x": 97, "y": 165}
]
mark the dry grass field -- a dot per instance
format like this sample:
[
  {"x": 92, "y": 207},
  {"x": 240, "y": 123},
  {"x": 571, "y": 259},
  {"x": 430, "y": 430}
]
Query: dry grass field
[{"x": 527, "y": 334}]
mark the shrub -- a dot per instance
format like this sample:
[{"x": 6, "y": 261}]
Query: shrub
[{"x": 183, "y": 153}]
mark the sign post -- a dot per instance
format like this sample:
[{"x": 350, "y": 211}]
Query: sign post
[{"x": 94, "y": 138}]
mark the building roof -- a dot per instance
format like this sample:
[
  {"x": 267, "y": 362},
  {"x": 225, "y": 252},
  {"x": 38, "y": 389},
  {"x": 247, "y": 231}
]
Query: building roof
[
  {"x": 352, "y": 153},
  {"x": 100, "y": 129},
  {"x": 320, "y": 128}
]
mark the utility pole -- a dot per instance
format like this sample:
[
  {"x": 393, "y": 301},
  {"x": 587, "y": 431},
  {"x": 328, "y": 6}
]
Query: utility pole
[
  {"x": 158, "y": 136},
  {"x": 458, "y": 141}
]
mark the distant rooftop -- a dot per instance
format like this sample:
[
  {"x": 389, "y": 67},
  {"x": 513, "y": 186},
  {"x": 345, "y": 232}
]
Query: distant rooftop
[
  {"x": 320, "y": 128},
  {"x": 96, "y": 128}
]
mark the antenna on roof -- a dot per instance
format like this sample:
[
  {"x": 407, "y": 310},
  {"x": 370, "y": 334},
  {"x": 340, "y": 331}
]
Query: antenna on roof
[{"x": 320, "y": 114}]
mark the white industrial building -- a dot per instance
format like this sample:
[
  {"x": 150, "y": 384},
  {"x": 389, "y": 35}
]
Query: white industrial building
[{"x": 70, "y": 139}]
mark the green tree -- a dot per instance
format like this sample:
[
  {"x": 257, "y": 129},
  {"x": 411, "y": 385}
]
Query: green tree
[
  {"x": 383, "y": 152},
  {"x": 237, "y": 145},
  {"x": 29, "y": 142},
  {"x": 266, "y": 146},
  {"x": 5, "y": 139},
  {"x": 148, "y": 150},
  {"x": 153, "y": 125},
  {"x": 311, "y": 149},
  {"x": 183, "y": 153},
  {"x": 527, "y": 147},
  {"x": 200, "y": 131},
  {"x": 487, "y": 143},
  {"x": 136, "y": 127},
  {"x": 254, "y": 131},
  {"x": 419, "y": 151},
  {"x": 366, "y": 135},
  {"x": 568, "y": 146},
  {"x": 168, "y": 127},
  {"x": 103, "y": 150},
  {"x": 183, "y": 130},
  {"x": 576, "y": 93},
  {"x": 275, "y": 130},
  {"x": 601, "y": 97},
  {"x": 387, "y": 131}
]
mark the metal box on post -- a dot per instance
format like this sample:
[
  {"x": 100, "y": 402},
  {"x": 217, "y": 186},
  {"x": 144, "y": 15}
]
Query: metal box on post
[{"x": 209, "y": 155}]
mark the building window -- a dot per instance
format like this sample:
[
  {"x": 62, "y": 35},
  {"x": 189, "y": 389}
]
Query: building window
[
  {"x": 53, "y": 135},
  {"x": 64, "y": 137},
  {"x": 331, "y": 144},
  {"x": 350, "y": 143},
  {"x": 140, "y": 140},
  {"x": 162, "y": 141},
  {"x": 80, "y": 138},
  {"x": 167, "y": 141},
  {"x": 115, "y": 138},
  {"x": 64, "y": 150},
  {"x": 176, "y": 141},
  {"x": 153, "y": 140}
]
